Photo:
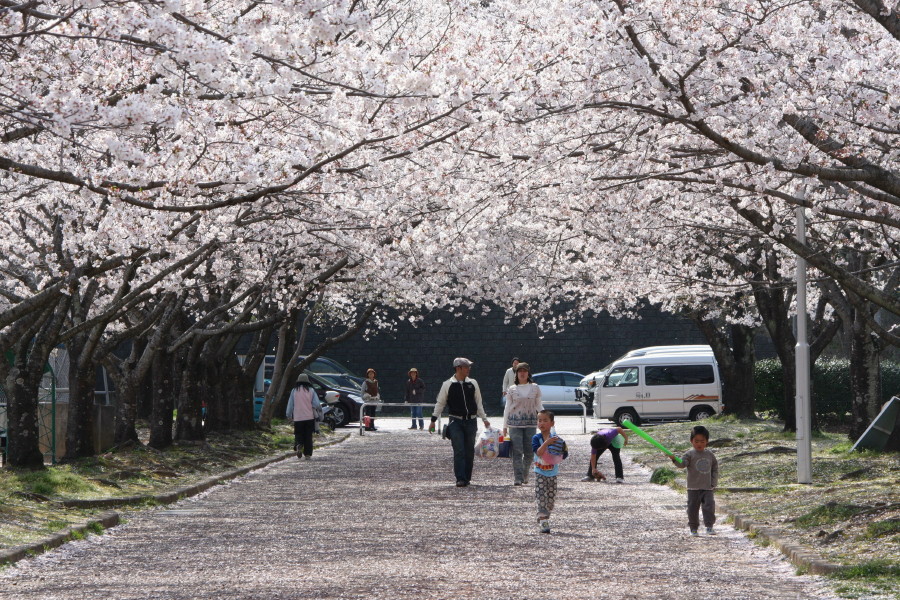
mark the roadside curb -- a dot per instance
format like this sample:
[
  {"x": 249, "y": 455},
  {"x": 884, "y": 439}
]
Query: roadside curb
[
  {"x": 112, "y": 518},
  {"x": 188, "y": 490},
  {"x": 800, "y": 555},
  {"x": 106, "y": 520}
]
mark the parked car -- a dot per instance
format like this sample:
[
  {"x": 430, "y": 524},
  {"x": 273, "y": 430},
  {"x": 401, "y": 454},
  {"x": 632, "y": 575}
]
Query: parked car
[
  {"x": 323, "y": 364},
  {"x": 349, "y": 403},
  {"x": 342, "y": 380},
  {"x": 675, "y": 386},
  {"x": 588, "y": 385},
  {"x": 585, "y": 390},
  {"x": 346, "y": 409},
  {"x": 320, "y": 366},
  {"x": 559, "y": 386}
]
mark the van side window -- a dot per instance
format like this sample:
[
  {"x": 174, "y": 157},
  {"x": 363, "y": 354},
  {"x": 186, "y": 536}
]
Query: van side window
[
  {"x": 679, "y": 375},
  {"x": 661, "y": 376},
  {"x": 622, "y": 377},
  {"x": 698, "y": 374}
]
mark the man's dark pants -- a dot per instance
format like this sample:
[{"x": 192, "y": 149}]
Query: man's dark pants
[{"x": 462, "y": 437}]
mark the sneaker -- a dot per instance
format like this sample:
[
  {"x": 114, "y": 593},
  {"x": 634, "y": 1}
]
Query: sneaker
[
  {"x": 545, "y": 526},
  {"x": 461, "y": 483},
  {"x": 413, "y": 427},
  {"x": 299, "y": 450},
  {"x": 587, "y": 478},
  {"x": 517, "y": 483},
  {"x": 307, "y": 457},
  {"x": 694, "y": 532},
  {"x": 710, "y": 531},
  {"x": 619, "y": 480}
]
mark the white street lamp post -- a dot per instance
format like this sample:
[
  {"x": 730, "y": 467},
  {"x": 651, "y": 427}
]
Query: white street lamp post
[{"x": 801, "y": 364}]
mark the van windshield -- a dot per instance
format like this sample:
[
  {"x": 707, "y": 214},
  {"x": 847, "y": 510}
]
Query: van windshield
[{"x": 622, "y": 377}]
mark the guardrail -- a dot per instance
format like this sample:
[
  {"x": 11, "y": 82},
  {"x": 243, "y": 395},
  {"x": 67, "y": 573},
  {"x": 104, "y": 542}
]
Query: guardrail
[
  {"x": 549, "y": 404},
  {"x": 362, "y": 411}
]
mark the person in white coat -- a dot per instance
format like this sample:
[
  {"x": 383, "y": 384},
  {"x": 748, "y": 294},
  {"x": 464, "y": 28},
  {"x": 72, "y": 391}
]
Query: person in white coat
[
  {"x": 301, "y": 409},
  {"x": 509, "y": 378}
]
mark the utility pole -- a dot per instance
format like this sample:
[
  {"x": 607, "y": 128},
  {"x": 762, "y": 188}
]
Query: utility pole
[{"x": 801, "y": 362}]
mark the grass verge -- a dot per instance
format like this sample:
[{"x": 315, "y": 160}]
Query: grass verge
[{"x": 849, "y": 515}]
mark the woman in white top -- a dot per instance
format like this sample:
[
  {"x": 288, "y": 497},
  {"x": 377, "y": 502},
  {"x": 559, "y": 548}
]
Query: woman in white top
[
  {"x": 523, "y": 402},
  {"x": 301, "y": 411}
]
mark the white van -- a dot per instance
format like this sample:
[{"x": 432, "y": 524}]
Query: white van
[
  {"x": 589, "y": 383},
  {"x": 660, "y": 386}
]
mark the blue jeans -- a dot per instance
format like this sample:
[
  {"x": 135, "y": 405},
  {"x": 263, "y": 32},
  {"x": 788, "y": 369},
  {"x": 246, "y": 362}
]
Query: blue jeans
[
  {"x": 462, "y": 437},
  {"x": 416, "y": 413}
]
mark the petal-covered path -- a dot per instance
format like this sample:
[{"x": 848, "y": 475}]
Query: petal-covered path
[{"x": 379, "y": 516}]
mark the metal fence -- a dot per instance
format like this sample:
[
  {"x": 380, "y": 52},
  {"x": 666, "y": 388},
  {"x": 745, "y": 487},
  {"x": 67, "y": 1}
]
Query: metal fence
[{"x": 548, "y": 404}]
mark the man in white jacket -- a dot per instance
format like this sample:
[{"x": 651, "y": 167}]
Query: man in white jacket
[
  {"x": 462, "y": 397},
  {"x": 509, "y": 378}
]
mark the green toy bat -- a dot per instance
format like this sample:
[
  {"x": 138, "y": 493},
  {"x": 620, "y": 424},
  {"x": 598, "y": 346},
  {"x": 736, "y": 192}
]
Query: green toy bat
[{"x": 647, "y": 437}]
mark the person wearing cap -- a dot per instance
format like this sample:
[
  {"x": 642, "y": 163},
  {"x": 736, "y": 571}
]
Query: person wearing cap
[
  {"x": 462, "y": 397},
  {"x": 509, "y": 378},
  {"x": 369, "y": 390},
  {"x": 612, "y": 438},
  {"x": 523, "y": 402},
  {"x": 301, "y": 409},
  {"x": 415, "y": 394}
]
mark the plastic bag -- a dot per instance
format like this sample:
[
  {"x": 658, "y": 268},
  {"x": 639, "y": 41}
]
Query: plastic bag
[
  {"x": 488, "y": 443},
  {"x": 556, "y": 452}
]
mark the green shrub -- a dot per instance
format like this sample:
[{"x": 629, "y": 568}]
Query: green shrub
[
  {"x": 55, "y": 525},
  {"x": 882, "y": 528},
  {"x": 95, "y": 527},
  {"x": 830, "y": 387},
  {"x": 872, "y": 568},
  {"x": 662, "y": 476},
  {"x": 53, "y": 481},
  {"x": 826, "y": 514}
]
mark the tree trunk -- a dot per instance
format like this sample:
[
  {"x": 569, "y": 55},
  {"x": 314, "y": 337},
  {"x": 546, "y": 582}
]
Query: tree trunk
[
  {"x": 22, "y": 382},
  {"x": 736, "y": 358},
  {"x": 240, "y": 398},
  {"x": 214, "y": 389},
  {"x": 163, "y": 386},
  {"x": 773, "y": 307},
  {"x": 740, "y": 387},
  {"x": 21, "y": 387},
  {"x": 189, "y": 424},
  {"x": 865, "y": 378},
  {"x": 80, "y": 425},
  {"x": 128, "y": 379},
  {"x": 287, "y": 335},
  {"x": 126, "y": 413}
]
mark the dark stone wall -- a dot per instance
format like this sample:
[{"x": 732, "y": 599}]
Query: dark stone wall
[{"x": 491, "y": 344}]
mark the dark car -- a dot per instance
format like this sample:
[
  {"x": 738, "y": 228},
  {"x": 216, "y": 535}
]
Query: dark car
[
  {"x": 346, "y": 410},
  {"x": 349, "y": 402},
  {"x": 342, "y": 380}
]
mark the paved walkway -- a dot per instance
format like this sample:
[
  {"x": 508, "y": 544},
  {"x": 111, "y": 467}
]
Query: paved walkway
[{"x": 379, "y": 517}]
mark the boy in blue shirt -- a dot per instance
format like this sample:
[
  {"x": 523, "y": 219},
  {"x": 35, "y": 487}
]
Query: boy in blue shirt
[{"x": 549, "y": 451}]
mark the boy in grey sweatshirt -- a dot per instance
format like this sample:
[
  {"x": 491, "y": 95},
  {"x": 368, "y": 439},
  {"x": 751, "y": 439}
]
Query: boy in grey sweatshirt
[{"x": 702, "y": 479}]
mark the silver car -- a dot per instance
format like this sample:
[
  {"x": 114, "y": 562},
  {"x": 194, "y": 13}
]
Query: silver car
[{"x": 559, "y": 386}]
